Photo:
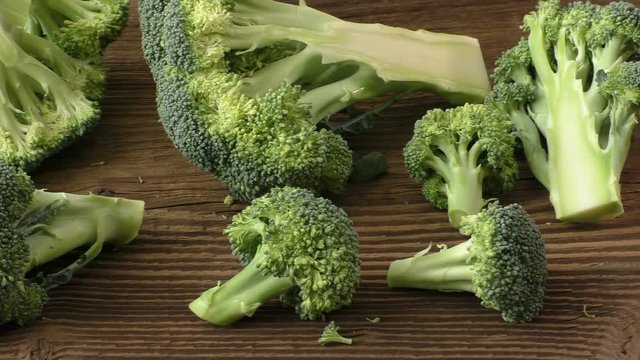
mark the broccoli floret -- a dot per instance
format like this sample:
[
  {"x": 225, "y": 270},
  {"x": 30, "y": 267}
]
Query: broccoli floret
[
  {"x": 244, "y": 85},
  {"x": 331, "y": 335},
  {"x": 460, "y": 154},
  {"x": 38, "y": 226},
  {"x": 503, "y": 263},
  {"x": 82, "y": 28},
  {"x": 571, "y": 90},
  {"x": 48, "y": 98},
  {"x": 293, "y": 245}
]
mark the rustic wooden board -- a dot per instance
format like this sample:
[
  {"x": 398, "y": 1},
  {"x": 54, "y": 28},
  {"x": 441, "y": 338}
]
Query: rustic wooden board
[{"x": 133, "y": 304}]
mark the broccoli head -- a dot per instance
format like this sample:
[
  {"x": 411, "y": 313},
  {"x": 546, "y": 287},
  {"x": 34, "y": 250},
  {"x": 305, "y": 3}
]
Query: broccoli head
[
  {"x": 571, "y": 89},
  {"x": 37, "y": 227},
  {"x": 459, "y": 154},
  {"x": 243, "y": 86},
  {"x": 503, "y": 263},
  {"x": 293, "y": 245},
  {"x": 48, "y": 97}
]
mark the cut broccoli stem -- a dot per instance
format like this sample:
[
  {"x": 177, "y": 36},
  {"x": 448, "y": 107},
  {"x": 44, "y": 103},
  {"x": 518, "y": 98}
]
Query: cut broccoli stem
[
  {"x": 240, "y": 296},
  {"x": 51, "y": 14},
  {"x": 395, "y": 54},
  {"x": 445, "y": 271},
  {"x": 78, "y": 220}
]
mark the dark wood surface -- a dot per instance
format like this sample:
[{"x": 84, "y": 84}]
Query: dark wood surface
[{"x": 132, "y": 304}]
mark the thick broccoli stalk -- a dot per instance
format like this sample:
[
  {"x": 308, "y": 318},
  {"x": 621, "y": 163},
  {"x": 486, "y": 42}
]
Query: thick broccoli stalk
[
  {"x": 295, "y": 246},
  {"x": 244, "y": 85},
  {"x": 82, "y": 28},
  {"x": 573, "y": 122},
  {"x": 37, "y": 227},
  {"x": 459, "y": 155},
  {"x": 503, "y": 263}
]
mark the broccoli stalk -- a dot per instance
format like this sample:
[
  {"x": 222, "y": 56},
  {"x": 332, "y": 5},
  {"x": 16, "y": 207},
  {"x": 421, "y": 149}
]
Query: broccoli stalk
[
  {"x": 57, "y": 223},
  {"x": 293, "y": 245},
  {"x": 241, "y": 296},
  {"x": 395, "y": 57},
  {"x": 503, "y": 263},
  {"x": 569, "y": 88}
]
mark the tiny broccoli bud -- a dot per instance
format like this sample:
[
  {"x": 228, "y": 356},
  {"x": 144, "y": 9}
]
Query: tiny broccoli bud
[{"x": 331, "y": 335}]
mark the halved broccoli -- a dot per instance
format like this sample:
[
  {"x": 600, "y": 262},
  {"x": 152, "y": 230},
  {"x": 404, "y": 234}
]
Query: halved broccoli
[
  {"x": 47, "y": 97},
  {"x": 293, "y": 245},
  {"x": 243, "y": 85},
  {"x": 38, "y": 226},
  {"x": 572, "y": 90},
  {"x": 503, "y": 263},
  {"x": 459, "y": 155}
]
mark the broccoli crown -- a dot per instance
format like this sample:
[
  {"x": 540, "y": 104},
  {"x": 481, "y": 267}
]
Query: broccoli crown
[
  {"x": 458, "y": 154},
  {"x": 507, "y": 258},
  {"x": 570, "y": 88},
  {"x": 304, "y": 238},
  {"x": 37, "y": 227},
  {"x": 250, "y": 81},
  {"x": 82, "y": 28},
  {"x": 51, "y": 74}
]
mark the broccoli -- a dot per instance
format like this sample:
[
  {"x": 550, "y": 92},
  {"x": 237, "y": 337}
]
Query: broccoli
[
  {"x": 38, "y": 226},
  {"x": 48, "y": 98},
  {"x": 82, "y": 28},
  {"x": 244, "y": 85},
  {"x": 572, "y": 90},
  {"x": 293, "y": 245},
  {"x": 503, "y": 263},
  {"x": 331, "y": 335},
  {"x": 458, "y": 154}
]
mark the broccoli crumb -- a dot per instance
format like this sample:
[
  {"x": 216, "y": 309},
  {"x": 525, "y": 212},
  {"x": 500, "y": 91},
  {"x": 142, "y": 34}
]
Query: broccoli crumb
[
  {"x": 584, "y": 310},
  {"x": 228, "y": 200},
  {"x": 374, "y": 320}
]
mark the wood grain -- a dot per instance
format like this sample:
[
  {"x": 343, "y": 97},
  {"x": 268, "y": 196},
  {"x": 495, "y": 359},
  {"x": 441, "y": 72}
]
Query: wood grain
[{"x": 132, "y": 304}]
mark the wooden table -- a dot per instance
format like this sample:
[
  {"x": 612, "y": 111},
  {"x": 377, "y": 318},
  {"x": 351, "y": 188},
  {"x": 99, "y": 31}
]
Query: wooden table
[{"x": 133, "y": 304}]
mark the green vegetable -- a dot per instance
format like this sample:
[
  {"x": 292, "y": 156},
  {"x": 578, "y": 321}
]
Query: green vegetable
[
  {"x": 243, "y": 85},
  {"x": 572, "y": 91},
  {"x": 331, "y": 335},
  {"x": 503, "y": 263},
  {"x": 38, "y": 226},
  {"x": 48, "y": 97},
  {"x": 459, "y": 154},
  {"x": 293, "y": 245}
]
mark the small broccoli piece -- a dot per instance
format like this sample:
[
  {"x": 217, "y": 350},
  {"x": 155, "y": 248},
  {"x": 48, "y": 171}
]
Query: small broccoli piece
[
  {"x": 244, "y": 85},
  {"x": 293, "y": 245},
  {"x": 37, "y": 227},
  {"x": 571, "y": 89},
  {"x": 331, "y": 335},
  {"x": 459, "y": 154},
  {"x": 503, "y": 263},
  {"x": 228, "y": 200},
  {"x": 50, "y": 86},
  {"x": 368, "y": 167},
  {"x": 82, "y": 28}
]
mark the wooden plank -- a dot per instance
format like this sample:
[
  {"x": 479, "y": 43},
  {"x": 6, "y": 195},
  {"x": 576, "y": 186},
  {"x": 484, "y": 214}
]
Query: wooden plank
[{"x": 132, "y": 304}]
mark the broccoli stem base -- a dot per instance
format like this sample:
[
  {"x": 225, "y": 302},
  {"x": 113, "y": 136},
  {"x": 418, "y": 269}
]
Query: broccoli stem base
[
  {"x": 464, "y": 194},
  {"x": 61, "y": 222},
  {"x": 241, "y": 296},
  {"x": 446, "y": 270}
]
